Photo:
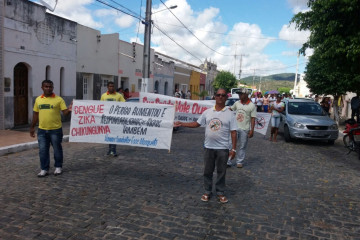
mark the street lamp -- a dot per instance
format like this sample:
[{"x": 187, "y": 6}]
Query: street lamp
[
  {"x": 147, "y": 37},
  {"x": 171, "y": 7}
]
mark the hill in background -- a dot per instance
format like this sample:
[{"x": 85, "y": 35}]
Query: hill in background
[{"x": 271, "y": 82}]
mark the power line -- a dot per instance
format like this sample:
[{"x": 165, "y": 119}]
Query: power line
[
  {"x": 193, "y": 33},
  {"x": 221, "y": 33},
  {"x": 120, "y": 10},
  {"x": 157, "y": 27}
]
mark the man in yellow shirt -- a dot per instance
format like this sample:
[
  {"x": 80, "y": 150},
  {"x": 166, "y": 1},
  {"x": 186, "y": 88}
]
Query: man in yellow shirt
[
  {"x": 112, "y": 95},
  {"x": 47, "y": 109}
]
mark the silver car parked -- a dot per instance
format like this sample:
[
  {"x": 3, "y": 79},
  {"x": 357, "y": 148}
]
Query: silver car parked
[{"x": 306, "y": 119}]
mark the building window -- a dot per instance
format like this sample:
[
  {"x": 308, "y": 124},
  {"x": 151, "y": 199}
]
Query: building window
[
  {"x": 166, "y": 88},
  {"x": 85, "y": 86}
]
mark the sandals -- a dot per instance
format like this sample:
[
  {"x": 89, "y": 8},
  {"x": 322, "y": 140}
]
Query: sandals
[
  {"x": 205, "y": 197},
  {"x": 222, "y": 199}
]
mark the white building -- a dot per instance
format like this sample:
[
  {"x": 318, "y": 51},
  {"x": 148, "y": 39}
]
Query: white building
[
  {"x": 163, "y": 75},
  {"x": 37, "y": 46},
  {"x": 97, "y": 62},
  {"x": 131, "y": 65}
]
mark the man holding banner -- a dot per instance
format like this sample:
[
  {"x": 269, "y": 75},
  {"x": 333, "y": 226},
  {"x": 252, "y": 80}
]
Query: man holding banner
[
  {"x": 220, "y": 123},
  {"x": 112, "y": 95},
  {"x": 47, "y": 109}
]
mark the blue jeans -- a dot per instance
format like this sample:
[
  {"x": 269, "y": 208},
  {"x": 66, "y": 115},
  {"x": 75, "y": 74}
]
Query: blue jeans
[
  {"x": 241, "y": 144},
  {"x": 45, "y": 138},
  {"x": 112, "y": 148}
]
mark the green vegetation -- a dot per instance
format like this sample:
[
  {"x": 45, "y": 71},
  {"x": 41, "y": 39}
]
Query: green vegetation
[
  {"x": 226, "y": 80},
  {"x": 335, "y": 38}
]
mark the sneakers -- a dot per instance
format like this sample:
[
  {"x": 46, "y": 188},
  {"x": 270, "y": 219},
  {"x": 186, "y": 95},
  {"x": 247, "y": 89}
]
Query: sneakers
[
  {"x": 58, "y": 171},
  {"x": 112, "y": 154},
  {"x": 43, "y": 173},
  {"x": 239, "y": 165}
]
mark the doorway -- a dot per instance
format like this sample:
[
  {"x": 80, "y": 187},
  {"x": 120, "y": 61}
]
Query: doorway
[{"x": 20, "y": 94}]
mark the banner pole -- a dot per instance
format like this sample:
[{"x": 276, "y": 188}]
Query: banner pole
[{"x": 173, "y": 124}]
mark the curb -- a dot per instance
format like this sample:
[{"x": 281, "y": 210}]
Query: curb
[{"x": 23, "y": 146}]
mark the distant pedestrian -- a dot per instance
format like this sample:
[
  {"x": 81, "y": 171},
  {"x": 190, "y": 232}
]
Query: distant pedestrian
[
  {"x": 355, "y": 107},
  {"x": 259, "y": 102},
  {"x": 219, "y": 124},
  {"x": 266, "y": 103},
  {"x": 188, "y": 95},
  {"x": 325, "y": 105},
  {"x": 245, "y": 117},
  {"x": 112, "y": 95},
  {"x": 126, "y": 94},
  {"x": 177, "y": 93},
  {"x": 276, "y": 109},
  {"x": 47, "y": 110},
  {"x": 121, "y": 91}
]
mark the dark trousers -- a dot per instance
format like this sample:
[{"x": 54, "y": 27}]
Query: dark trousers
[{"x": 215, "y": 158}]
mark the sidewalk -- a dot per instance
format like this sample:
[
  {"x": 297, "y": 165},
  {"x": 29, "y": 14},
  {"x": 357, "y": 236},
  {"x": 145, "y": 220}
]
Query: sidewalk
[{"x": 16, "y": 140}]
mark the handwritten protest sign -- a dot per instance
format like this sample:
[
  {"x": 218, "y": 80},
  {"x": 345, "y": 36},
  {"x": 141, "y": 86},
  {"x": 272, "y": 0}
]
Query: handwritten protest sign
[
  {"x": 262, "y": 122},
  {"x": 185, "y": 110},
  {"x": 123, "y": 123}
]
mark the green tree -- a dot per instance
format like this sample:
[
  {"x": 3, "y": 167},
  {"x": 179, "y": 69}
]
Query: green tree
[
  {"x": 225, "y": 80},
  {"x": 284, "y": 90},
  {"x": 335, "y": 38},
  {"x": 202, "y": 94}
]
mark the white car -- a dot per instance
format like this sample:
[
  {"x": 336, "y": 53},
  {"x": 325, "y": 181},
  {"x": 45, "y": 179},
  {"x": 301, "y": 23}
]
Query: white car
[{"x": 306, "y": 119}]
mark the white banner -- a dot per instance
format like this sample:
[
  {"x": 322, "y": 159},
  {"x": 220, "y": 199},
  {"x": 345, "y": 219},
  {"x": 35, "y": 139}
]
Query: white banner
[
  {"x": 122, "y": 123},
  {"x": 262, "y": 122},
  {"x": 185, "y": 111}
]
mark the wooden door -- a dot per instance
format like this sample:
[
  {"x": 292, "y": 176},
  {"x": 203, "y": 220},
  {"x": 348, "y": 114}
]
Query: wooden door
[{"x": 20, "y": 94}]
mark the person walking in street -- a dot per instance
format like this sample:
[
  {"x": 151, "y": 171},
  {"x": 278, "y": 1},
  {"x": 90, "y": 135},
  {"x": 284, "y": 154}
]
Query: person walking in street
[
  {"x": 47, "y": 110},
  {"x": 112, "y": 95},
  {"x": 245, "y": 117},
  {"x": 219, "y": 124},
  {"x": 355, "y": 107},
  {"x": 276, "y": 109},
  {"x": 259, "y": 102},
  {"x": 266, "y": 103}
]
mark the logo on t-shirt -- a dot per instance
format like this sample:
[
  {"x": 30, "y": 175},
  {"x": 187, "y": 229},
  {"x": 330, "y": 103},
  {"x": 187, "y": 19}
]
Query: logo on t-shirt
[
  {"x": 45, "y": 106},
  {"x": 215, "y": 124},
  {"x": 240, "y": 117}
]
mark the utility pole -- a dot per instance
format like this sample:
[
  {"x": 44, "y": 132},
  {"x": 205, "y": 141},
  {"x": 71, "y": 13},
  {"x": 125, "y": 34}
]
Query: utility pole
[
  {"x": 240, "y": 71},
  {"x": 297, "y": 68},
  {"x": 147, "y": 38},
  {"x": 235, "y": 59}
]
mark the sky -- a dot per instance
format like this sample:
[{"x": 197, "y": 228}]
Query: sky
[{"x": 255, "y": 34}]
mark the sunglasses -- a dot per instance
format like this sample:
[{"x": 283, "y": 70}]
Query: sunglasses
[{"x": 220, "y": 95}]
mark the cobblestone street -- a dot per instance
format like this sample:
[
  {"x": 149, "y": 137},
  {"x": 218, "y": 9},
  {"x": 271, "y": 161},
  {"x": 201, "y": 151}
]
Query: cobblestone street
[{"x": 301, "y": 190}]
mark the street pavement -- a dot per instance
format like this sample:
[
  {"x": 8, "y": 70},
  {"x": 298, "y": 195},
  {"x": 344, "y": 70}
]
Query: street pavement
[{"x": 299, "y": 190}]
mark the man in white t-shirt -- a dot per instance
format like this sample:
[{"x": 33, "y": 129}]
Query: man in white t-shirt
[
  {"x": 219, "y": 124},
  {"x": 245, "y": 117}
]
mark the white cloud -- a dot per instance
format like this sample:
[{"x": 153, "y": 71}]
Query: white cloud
[
  {"x": 77, "y": 11},
  {"x": 124, "y": 21},
  {"x": 298, "y": 5},
  {"x": 293, "y": 36}
]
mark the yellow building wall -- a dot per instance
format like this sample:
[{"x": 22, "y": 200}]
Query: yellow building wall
[{"x": 194, "y": 84}]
